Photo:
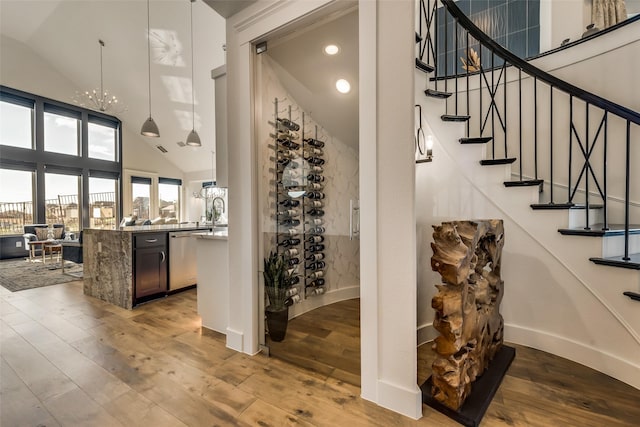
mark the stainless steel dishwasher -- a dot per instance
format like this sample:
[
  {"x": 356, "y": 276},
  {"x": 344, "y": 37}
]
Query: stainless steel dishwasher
[{"x": 182, "y": 260}]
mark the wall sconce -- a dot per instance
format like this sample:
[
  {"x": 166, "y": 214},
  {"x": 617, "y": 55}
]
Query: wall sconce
[{"x": 429, "y": 148}]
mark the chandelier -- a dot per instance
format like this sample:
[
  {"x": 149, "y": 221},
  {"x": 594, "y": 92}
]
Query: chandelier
[{"x": 99, "y": 99}]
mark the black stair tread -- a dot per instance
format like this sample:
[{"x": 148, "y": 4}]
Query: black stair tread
[
  {"x": 491, "y": 162},
  {"x": 423, "y": 66},
  {"x": 551, "y": 206},
  {"x": 476, "y": 140},
  {"x": 454, "y": 118},
  {"x": 617, "y": 261},
  {"x": 437, "y": 93},
  {"x": 525, "y": 183},
  {"x": 633, "y": 295},
  {"x": 418, "y": 38},
  {"x": 596, "y": 230},
  {"x": 424, "y": 160}
]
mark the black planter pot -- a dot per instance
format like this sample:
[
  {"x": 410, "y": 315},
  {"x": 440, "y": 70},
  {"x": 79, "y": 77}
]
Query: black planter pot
[{"x": 277, "y": 323}]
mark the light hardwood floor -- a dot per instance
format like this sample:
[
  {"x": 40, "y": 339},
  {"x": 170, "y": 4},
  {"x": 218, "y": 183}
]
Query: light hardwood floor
[{"x": 68, "y": 359}]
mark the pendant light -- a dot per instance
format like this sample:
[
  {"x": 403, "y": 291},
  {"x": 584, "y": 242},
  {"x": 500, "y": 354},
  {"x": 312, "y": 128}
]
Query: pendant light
[
  {"x": 193, "y": 139},
  {"x": 149, "y": 127}
]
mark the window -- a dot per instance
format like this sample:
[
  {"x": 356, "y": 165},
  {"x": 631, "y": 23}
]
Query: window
[
  {"x": 62, "y": 202},
  {"x": 169, "y": 198},
  {"x": 102, "y": 202},
  {"x": 16, "y": 200},
  {"x": 68, "y": 178},
  {"x": 61, "y": 131},
  {"x": 141, "y": 196},
  {"x": 16, "y": 123},
  {"x": 102, "y": 141}
]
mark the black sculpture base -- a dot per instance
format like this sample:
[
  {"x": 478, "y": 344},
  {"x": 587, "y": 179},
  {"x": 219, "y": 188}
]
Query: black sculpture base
[{"x": 482, "y": 391}]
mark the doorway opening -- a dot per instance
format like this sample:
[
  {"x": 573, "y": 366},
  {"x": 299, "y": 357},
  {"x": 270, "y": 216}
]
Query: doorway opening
[{"x": 307, "y": 126}]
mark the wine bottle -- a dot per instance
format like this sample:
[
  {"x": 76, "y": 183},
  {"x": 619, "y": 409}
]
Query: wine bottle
[
  {"x": 316, "y": 212},
  {"x": 291, "y": 252},
  {"x": 315, "y": 239},
  {"x": 291, "y": 231},
  {"x": 293, "y": 280},
  {"x": 315, "y": 221},
  {"x": 318, "y": 265},
  {"x": 289, "y": 242},
  {"x": 316, "y": 204},
  {"x": 288, "y": 143},
  {"x": 314, "y": 142},
  {"x": 291, "y": 222},
  {"x": 292, "y": 291},
  {"x": 316, "y": 275},
  {"x": 315, "y": 161},
  {"x": 313, "y": 151},
  {"x": 316, "y": 169},
  {"x": 289, "y": 124},
  {"x": 315, "y": 178},
  {"x": 317, "y": 230},
  {"x": 316, "y": 195},
  {"x": 316, "y": 283},
  {"x": 289, "y": 212},
  {"x": 291, "y": 271},
  {"x": 292, "y": 300},
  {"x": 315, "y": 186},
  {"x": 289, "y": 203},
  {"x": 315, "y": 257},
  {"x": 287, "y": 153},
  {"x": 316, "y": 248},
  {"x": 318, "y": 291},
  {"x": 293, "y": 261}
]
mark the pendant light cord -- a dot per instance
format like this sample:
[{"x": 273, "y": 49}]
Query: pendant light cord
[
  {"x": 193, "y": 102},
  {"x": 149, "y": 54},
  {"x": 101, "y": 85}
]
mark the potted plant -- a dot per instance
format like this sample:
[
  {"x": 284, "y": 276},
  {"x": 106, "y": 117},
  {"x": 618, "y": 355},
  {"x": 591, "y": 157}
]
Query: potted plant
[{"x": 276, "y": 285}]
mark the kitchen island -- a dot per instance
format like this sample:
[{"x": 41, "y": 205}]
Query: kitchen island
[{"x": 130, "y": 265}]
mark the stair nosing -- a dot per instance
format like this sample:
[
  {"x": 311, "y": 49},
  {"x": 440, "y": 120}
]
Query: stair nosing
[
  {"x": 495, "y": 162},
  {"x": 475, "y": 140},
  {"x": 617, "y": 261}
]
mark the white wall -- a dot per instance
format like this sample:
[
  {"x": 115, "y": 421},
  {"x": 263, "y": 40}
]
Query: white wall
[{"x": 559, "y": 20}]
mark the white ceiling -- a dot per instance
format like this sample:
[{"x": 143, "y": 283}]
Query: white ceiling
[
  {"x": 65, "y": 33},
  {"x": 309, "y": 75}
]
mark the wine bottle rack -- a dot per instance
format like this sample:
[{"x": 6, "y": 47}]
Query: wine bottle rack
[
  {"x": 299, "y": 167},
  {"x": 314, "y": 209}
]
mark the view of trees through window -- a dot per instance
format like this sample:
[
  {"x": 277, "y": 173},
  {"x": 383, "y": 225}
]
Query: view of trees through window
[
  {"x": 141, "y": 193},
  {"x": 169, "y": 195}
]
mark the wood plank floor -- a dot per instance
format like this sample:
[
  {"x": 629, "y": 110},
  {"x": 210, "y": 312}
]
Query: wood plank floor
[{"x": 71, "y": 360}]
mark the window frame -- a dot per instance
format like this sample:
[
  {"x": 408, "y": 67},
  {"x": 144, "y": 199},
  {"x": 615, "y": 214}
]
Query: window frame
[{"x": 41, "y": 161}]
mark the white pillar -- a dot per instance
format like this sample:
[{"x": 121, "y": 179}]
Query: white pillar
[{"x": 387, "y": 200}]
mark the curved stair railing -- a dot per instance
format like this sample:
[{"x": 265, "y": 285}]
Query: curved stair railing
[{"x": 508, "y": 103}]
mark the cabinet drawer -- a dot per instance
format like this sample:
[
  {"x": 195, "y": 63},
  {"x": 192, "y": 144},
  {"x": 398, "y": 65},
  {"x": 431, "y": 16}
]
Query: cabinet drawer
[{"x": 147, "y": 240}]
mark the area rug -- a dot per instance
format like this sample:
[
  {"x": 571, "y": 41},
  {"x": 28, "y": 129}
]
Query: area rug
[{"x": 19, "y": 275}]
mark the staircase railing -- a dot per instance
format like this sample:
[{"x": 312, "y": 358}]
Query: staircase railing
[{"x": 571, "y": 146}]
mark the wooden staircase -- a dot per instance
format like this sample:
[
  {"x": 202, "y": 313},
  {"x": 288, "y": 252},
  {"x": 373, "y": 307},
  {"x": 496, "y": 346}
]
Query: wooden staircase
[{"x": 621, "y": 241}]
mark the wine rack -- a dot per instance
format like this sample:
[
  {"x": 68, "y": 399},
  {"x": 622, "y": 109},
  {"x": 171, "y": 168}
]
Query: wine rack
[
  {"x": 314, "y": 208},
  {"x": 299, "y": 203}
]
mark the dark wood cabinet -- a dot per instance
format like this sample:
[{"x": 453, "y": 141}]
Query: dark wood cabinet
[{"x": 150, "y": 265}]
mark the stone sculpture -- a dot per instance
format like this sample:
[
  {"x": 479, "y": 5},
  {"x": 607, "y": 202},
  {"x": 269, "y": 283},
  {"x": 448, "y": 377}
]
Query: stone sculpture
[{"x": 467, "y": 254}]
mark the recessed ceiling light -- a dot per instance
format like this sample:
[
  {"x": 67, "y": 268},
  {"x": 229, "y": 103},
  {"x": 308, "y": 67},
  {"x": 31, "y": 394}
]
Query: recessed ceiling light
[
  {"x": 331, "y": 49},
  {"x": 343, "y": 86}
]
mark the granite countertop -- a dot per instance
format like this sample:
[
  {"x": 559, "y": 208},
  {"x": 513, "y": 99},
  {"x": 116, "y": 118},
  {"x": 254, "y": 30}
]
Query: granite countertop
[{"x": 163, "y": 227}]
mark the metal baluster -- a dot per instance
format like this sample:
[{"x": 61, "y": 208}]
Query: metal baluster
[
  {"x": 627, "y": 201},
  {"x": 467, "y": 77},
  {"x": 605, "y": 225},
  {"x": 480, "y": 73},
  {"x": 455, "y": 69},
  {"x": 520, "y": 119},
  {"x": 435, "y": 41},
  {"x": 586, "y": 175},
  {"x": 535, "y": 126},
  {"x": 570, "y": 146},
  {"x": 493, "y": 107},
  {"x": 504, "y": 85},
  {"x": 551, "y": 141}
]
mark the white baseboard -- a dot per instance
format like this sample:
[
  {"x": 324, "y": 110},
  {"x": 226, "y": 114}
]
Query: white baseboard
[
  {"x": 620, "y": 369},
  {"x": 407, "y": 402},
  {"x": 321, "y": 300},
  {"x": 235, "y": 340},
  {"x": 426, "y": 333}
]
